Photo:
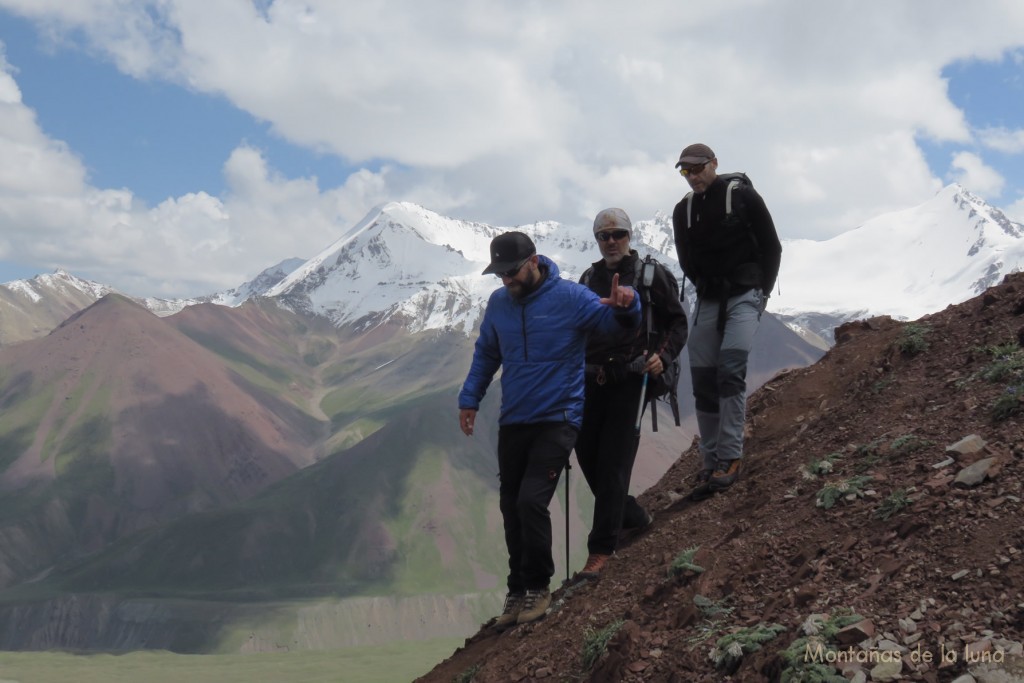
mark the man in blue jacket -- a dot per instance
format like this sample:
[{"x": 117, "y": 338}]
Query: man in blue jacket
[{"x": 535, "y": 330}]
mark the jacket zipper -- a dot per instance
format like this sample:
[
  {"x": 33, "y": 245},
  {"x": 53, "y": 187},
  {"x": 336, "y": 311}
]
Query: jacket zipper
[{"x": 526, "y": 349}]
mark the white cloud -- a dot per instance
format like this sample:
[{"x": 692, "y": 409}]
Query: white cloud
[
  {"x": 970, "y": 171},
  {"x": 1015, "y": 211},
  {"x": 507, "y": 112},
  {"x": 1003, "y": 140}
]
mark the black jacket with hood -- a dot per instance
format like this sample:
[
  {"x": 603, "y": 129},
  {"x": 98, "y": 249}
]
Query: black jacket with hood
[
  {"x": 727, "y": 254},
  {"x": 669, "y": 325}
]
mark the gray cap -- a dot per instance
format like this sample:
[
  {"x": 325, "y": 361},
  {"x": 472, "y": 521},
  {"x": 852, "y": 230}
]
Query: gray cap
[
  {"x": 695, "y": 155},
  {"x": 612, "y": 219}
]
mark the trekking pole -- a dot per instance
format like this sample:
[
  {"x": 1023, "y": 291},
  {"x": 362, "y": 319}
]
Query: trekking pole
[
  {"x": 643, "y": 396},
  {"x": 568, "y": 467},
  {"x": 640, "y": 408}
]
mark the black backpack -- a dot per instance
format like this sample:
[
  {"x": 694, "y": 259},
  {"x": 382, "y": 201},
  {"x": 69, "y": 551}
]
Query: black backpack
[
  {"x": 666, "y": 385},
  {"x": 734, "y": 181}
]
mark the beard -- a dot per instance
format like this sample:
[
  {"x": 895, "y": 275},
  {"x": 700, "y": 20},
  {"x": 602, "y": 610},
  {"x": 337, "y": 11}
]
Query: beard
[{"x": 520, "y": 290}]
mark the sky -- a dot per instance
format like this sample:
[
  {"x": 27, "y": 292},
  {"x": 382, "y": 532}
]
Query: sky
[{"x": 177, "y": 148}]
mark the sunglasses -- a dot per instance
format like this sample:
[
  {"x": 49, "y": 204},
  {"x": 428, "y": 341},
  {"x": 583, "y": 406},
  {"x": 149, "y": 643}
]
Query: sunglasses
[
  {"x": 693, "y": 170},
  {"x": 512, "y": 272},
  {"x": 606, "y": 235}
]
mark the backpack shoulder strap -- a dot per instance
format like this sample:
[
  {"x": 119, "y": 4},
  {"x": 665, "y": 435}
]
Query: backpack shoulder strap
[
  {"x": 733, "y": 181},
  {"x": 689, "y": 210},
  {"x": 587, "y": 274},
  {"x": 733, "y": 184}
]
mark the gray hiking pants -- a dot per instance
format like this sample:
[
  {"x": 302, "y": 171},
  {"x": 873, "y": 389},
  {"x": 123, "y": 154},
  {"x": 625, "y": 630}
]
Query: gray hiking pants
[{"x": 718, "y": 367}]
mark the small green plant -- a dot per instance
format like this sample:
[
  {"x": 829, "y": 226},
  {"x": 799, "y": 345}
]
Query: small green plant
[
  {"x": 684, "y": 562},
  {"x": 831, "y": 493},
  {"x": 467, "y": 675},
  {"x": 799, "y": 665},
  {"x": 896, "y": 501},
  {"x": 867, "y": 455},
  {"x": 908, "y": 443},
  {"x": 881, "y": 385},
  {"x": 869, "y": 448},
  {"x": 730, "y": 649},
  {"x": 1007, "y": 364},
  {"x": 820, "y": 466},
  {"x": 596, "y": 642},
  {"x": 912, "y": 339},
  {"x": 803, "y": 661},
  {"x": 715, "y": 613},
  {"x": 712, "y": 609},
  {"x": 1008, "y": 403}
]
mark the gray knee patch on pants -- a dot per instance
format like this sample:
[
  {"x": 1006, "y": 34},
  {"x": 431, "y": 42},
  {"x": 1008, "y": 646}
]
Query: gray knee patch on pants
[{"x": 732, "y": 372}]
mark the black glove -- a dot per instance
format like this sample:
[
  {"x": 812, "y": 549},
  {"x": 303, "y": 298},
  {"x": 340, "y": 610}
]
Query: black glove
[{"x": 637, "y": 364}]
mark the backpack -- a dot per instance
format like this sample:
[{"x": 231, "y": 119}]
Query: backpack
[
  {"x": 665, "y": 386},
  {"x": 736, "y": 239},
  {"x": 734, "y": 180}
]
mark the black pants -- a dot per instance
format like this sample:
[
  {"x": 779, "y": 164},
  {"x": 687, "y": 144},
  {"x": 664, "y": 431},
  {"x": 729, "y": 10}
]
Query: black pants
[
  {"x": 530, "y": 460},
  {"x": 606, "y": 451}
]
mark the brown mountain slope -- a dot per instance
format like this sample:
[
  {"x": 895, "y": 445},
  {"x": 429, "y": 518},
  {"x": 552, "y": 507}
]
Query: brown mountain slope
[
  {"x": 931, "y": 563},
  {"x": 126, "y": 421}
]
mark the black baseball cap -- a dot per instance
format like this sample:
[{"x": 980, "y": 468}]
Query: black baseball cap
[{"x": 508, "y": 250}]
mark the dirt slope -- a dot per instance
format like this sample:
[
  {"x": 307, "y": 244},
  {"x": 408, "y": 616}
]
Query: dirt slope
[{"x": 928, "y": 564}]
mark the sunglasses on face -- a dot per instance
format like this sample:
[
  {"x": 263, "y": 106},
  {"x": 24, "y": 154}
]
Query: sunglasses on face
[
  {"x": 606, "y": 235},
  {"x": 693, "y": 170},
  {"x": 512, "y": 272}
]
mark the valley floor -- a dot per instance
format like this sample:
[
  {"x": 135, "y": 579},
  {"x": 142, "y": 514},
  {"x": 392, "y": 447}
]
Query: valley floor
[{"x": 398, "y": 663}]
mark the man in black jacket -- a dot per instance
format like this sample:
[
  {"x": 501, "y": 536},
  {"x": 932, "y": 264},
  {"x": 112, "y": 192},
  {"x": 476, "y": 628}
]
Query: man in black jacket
[
  {"x": 608, "y": 440},
  {"x": 728, "y": 247}
]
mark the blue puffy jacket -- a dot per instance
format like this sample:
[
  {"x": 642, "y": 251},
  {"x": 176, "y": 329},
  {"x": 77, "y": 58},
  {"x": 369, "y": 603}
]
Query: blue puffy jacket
[{"x": 539, "y": 342}]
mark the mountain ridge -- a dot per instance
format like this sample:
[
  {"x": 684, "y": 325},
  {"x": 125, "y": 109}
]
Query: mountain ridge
[{"x": 406, "y": 262}]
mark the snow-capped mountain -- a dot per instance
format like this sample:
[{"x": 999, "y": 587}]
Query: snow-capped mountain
[
  {"x": 903, "y": 264},
  {"x": 31, "y": 308},
  {"x": 403, "y": 261},
  {"x": 236, "y": 296},
  {"x": 58, "y": 282},
  {"x": 406, "y": 261},
  {"x": 258, "y": 286}
]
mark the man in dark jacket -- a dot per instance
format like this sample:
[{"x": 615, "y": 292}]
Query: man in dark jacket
[
  {"x": 616, "y": 364},
  {"x": 535, "y": 330},
  {"x": 728, "y": 247}
]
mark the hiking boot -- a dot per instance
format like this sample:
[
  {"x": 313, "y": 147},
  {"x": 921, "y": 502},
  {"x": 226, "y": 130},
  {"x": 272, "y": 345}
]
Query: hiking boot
[
  {"x": 513, "y": 605},
  {"x": 535, "y": 604},
  {"x": 646, "y": 519},
  {"x": 645, "y": 524},
  {"x": 628, "y": 533},
  {"x": 725, "y": 474},
  {"x": 702, "y": 485},
  {"x": 592, "y": 569}
]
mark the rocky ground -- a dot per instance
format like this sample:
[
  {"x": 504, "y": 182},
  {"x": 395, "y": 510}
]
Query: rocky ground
[{"x": 875, "y": 536}]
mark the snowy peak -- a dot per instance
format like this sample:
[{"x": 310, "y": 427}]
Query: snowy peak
[
  {"x": 259, "y": 285},
  {"x": 986, "y": 216},
  {"x": 905, "y": 264},
  {"x": 58, "y": 282},
  {"x": 404, "y": 261}
]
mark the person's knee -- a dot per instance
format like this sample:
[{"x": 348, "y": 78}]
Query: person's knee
[
  {"x": 705, "y": 389},
  {"x": 732, "y": 372},
  {"x": 529, "y": 506}
]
